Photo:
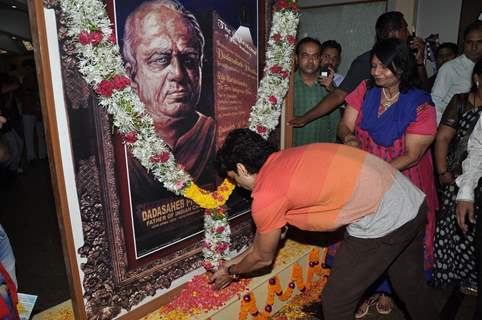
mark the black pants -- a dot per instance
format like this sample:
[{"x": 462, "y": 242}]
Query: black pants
[
  {"x": 360, "y": 262},
  {"x": 478, "y": 252}
]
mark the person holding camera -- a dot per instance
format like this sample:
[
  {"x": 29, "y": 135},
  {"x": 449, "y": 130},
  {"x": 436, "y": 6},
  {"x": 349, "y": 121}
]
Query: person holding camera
[
  {"x": 330, "y": 59},
  {"x": 314, "y": 79}
]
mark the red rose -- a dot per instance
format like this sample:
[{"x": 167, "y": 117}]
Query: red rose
[
  {"x": 105, "y": 88},
  {"x": 291, "y": 39},
  {"x": 219, "y": 229},
  {"x": 161, "y": 157},
  {"x": 208, "y": 265},
  {"x": 276, "y": 69},
  {"x": 221, "y": 247},
  {"x": 284, "y": 74},
  {"x": 293, "y": 6},
  {"x": 120, "y": 82},
  {"x": 130, "y": 137},
  {"x": 112, "y": 38},
  {"x": 272, "y": 100},
  {"x": 84, "y": 38},
  {"x": 95, "y": 37},
  {"x": 260, "y": 129},
  {"x": 276, "y": 37},
  {"x": 283, "y": 4}
]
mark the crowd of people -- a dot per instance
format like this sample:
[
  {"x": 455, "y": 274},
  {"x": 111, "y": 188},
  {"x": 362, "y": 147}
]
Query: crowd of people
[
  {"x": 427, "y": 130},
  {"x": 21, "y": 142}
]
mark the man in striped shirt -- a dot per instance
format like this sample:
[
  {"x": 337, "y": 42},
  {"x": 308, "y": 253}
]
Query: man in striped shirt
[{"x": 321, "y": 187}]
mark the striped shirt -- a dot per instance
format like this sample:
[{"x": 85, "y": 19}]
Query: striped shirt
[{"x": 321, "y": 187}]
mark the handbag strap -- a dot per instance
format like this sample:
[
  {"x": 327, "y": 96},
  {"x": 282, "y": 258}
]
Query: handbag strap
[{"x": 12, "y": 291}]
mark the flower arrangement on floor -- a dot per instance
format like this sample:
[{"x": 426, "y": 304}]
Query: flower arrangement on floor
[
  {"x": 101, "y": 65},
  {"x": 248, "y": 303}
]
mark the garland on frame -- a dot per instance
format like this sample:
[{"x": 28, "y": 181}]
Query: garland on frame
[{"x": 101, "y": 65}]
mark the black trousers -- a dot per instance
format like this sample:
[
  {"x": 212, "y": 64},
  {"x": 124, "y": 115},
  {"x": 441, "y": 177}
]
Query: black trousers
[
  {"x": 360, "y": 262},
  {"x": 478, "y": 252}
]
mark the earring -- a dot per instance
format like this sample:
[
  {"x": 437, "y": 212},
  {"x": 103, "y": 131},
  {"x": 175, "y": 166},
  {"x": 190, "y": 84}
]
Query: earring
[{"x": 477, "y": 84}]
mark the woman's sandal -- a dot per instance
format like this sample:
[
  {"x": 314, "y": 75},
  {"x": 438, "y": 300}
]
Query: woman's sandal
[
  {"x": 384, "y": 307},
  {"x": 365, "y": 306}
]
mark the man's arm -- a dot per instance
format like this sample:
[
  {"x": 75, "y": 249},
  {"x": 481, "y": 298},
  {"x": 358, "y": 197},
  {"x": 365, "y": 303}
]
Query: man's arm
[
  {"x": 261, "y": 254},
  {"x": 440, "y": 88},
  {"x": 326, "y": 105},
  {"x": 467, "y": 182}
]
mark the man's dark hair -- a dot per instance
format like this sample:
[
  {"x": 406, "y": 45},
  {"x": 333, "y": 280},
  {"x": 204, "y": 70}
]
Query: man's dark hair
[
  {"x": 330, "y": 44},
  {"x": 477, "y": 71},
  {"x": 476, "y": 25},
  {"x": 307, "y": 40},
  {"x": 396, "y": 56},
  {"x": 447, "y": 45},
  {"x": 389, "y": 22},
  {"x": 246, "y": 147}
]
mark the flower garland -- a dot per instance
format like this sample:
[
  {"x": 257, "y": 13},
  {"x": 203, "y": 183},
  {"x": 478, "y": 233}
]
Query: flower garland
[
  {"x": 248, "y": 303},
  {"x": 102, "y": 67}
]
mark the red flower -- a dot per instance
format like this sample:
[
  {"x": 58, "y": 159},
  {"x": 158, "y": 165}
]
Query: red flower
[
  {"x": 284, "y": 74},
  {"x": 283, "y": 4},
  {"x": 293, "y": 6},
  {"x": 219, "y": 229},
  {"x": 95, "y": 37},
  {"x": 120, "y": 82},
  {"x": 161, "y": 157},
  {"x": 105, "y": 88},
  {"x": 221, "y": 247},
  {"x": 260, "y": 129},
  {"x": 276, "y": 69},
  {"x": 208, "y": 265},
  {"x": 112, "y": 38},
  {"x": 276, "y": 37},
  {"x": 272, "y": 100},
  {"x": 291, "y": 39},
  {"x": 84, "y": 38},
  {"x": 130, "y": 137}
]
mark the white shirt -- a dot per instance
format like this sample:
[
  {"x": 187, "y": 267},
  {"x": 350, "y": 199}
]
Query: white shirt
[
  {"x": 338, "y": 78},
  {"x": 471, "y": 166},
  {"x": 454, "y": 77}
]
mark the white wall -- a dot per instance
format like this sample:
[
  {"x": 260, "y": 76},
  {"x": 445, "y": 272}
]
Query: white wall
[{"x": 439, "y": 16}]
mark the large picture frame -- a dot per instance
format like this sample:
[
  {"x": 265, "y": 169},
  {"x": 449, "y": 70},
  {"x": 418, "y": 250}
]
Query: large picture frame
[{"x": 106, "y": 274}]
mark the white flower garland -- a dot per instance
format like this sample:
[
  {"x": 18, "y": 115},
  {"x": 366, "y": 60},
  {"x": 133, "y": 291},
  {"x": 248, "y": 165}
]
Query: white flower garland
[{"x": 102, "y": 67}]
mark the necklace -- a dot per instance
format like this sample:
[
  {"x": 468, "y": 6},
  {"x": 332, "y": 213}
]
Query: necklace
[{"x": 389, "y": 101}]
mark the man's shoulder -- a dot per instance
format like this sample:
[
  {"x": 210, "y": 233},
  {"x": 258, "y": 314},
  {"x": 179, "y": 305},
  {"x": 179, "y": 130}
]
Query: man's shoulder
[{"x": 363, "y": 58}]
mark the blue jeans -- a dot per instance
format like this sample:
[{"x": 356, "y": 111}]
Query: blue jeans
[{"x": 6, "y": 256}]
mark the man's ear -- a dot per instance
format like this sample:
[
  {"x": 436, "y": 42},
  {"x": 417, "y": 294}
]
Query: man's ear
[{"x": 241, "y": 169}]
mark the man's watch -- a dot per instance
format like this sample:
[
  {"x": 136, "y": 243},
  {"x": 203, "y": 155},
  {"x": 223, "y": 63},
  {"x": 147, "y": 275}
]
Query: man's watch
[{"x": 233, "y": 275}]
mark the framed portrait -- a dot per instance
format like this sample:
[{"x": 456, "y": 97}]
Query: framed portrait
[{"x": 129, "y": 243}]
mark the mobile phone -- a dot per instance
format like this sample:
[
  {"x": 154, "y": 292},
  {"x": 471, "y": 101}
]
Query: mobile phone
[
  {"x": 410, "y": 38},
  {"x": 324, "y": 71}
]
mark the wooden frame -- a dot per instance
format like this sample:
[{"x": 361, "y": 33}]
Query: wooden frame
[{"x": 79, "y": 267}]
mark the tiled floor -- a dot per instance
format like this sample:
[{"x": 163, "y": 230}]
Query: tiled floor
[{"x": 28, "y": 215}]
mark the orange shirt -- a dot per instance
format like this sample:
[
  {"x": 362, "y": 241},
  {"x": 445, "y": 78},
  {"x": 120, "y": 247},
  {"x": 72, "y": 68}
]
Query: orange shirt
[{"x": 319, "y": 187}]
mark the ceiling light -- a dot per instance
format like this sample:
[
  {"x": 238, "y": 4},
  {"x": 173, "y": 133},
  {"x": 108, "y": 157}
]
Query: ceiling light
[
  {"x": 14, "y": 7},
  {"x": 14, "y": 38}
]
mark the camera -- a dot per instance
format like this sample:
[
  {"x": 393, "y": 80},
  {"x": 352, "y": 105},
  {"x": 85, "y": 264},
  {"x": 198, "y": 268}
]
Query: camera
[{"x": 324, "y": 71}]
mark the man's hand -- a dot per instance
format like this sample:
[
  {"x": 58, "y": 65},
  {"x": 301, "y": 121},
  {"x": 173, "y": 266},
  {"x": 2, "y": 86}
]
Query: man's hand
[
  {"x": 221, "y": 278},
  {"x": 327, "y": 81},
  {"x": 419, "y": 45},
  {"x": 297, "y": 122},
  {"x": 465, "y": 209}
]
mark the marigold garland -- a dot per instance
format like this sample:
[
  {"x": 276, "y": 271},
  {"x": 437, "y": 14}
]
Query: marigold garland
[{"x": 248, "y": 302}]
